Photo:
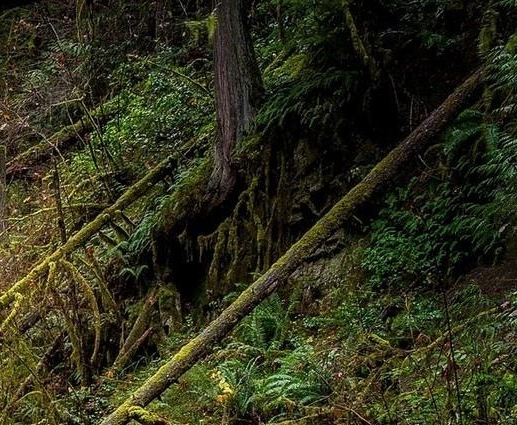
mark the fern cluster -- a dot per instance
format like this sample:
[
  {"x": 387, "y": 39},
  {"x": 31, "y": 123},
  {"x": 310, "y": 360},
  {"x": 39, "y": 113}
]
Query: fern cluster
[
  {"x": 445, "y": 221},
  {"x": 267, "y": 372}
]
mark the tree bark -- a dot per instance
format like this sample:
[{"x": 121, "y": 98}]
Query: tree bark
[
  {"x": 238, "y": 92},
  {"x": 378, "y": 179}
]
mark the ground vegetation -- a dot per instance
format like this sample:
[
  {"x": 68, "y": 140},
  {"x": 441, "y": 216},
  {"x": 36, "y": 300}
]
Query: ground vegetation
[{"x": 270, "y": 212}]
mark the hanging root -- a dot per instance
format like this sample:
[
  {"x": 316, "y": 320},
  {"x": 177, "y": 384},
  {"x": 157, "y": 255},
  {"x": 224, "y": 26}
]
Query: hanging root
[
  {"x": 245, "y": 234},
  {"x": 75, "y": 340},
  {"x": 18, "y": 298},
  {"x": 91, "y": 262},
  {"x": 90, "y": 296}
]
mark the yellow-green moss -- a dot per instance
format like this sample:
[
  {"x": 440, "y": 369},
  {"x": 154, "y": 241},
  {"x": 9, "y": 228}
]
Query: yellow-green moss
[
  {"x": 144, "y": 417},
  {"x": 16, "y": 308},
  {"x": 76, "y": 275},
  {"x": 83, "y": 235}
]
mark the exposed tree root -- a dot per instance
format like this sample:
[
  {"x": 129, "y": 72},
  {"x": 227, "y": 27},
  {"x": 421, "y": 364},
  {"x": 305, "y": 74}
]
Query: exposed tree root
[{"x": 379, "y": 178}]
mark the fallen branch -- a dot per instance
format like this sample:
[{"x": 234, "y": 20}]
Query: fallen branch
[
  {"x": 81, "y": 237},
  {"x": 373, "y": 183},
  {"x": 126, "y": 356},
  {"x": 82, "y": 208},
  {"x": 454, "y": 331},
  {"x": 306, "y": 420},
  {"x": 138, "y": 334}
]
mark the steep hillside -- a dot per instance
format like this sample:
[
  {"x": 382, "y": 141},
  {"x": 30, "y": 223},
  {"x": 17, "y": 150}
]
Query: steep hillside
[{"x": 281, "y": 212}]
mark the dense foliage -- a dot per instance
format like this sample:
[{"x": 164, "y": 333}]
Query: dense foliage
[{"x": 407, "y": 316}]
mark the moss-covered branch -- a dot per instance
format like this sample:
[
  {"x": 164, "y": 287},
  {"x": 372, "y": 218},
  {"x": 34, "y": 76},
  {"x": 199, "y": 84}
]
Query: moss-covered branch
[
  {"x": 373, "y": 183},
  {"x": 146, "y": 418},
  {"x": 139, "y": 332},
  {"x": 82, "y": 236},
  {"x": 357, "y": 43}
]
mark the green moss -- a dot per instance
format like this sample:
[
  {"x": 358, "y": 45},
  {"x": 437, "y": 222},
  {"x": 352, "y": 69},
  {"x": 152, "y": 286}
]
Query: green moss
[
  {"x": 79, "y": 279},
  {"x": 18, "y": 298},
  {"x": 144, "y": 417},
  {"x": 187, "y": 195},
  {"x": 488, "y": 33},
  {"x": 82, "y": 236}
]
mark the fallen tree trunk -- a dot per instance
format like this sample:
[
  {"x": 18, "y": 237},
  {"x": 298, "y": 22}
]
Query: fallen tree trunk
[
  {"x": 131, "y": 195},
  {"x": 373, "y": 183}
]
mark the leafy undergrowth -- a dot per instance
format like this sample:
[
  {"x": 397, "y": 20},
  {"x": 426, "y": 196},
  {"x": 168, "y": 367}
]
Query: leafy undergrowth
[
  {"x": 393, "y": 330},
  {"x": 47, "y": 366},
  {"x": 351, "y": 354}
]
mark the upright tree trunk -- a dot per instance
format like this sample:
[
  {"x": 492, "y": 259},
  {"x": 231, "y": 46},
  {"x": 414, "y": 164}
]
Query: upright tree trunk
[
  {"x": 238, "y": 92},
  {"x": 238, "y": 95}
]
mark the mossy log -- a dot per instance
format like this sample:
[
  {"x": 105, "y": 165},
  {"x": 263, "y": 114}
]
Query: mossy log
[
  {"x": 146, "y": 418},
  {"x": 82, "y": 236},
  {"x": 377, "y": 180}
]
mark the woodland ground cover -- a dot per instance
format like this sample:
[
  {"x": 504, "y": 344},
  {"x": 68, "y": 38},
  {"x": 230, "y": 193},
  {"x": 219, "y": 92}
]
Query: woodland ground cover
[{"x": 406, "y": 315}]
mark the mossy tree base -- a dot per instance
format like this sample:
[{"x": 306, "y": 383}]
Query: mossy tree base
[{"x": 377, "y": 180}]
